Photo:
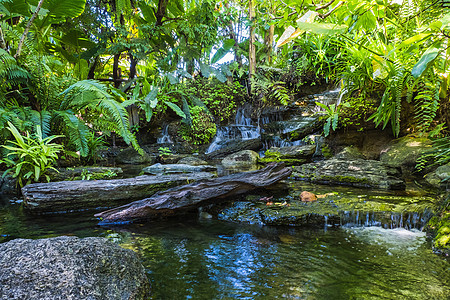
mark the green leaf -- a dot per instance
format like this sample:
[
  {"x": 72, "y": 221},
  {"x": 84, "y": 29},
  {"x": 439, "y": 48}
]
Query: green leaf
[
  {"x": 147, "y": 12},
  {"x": 426, "y": 59},
  {"x": 151, "y": 99},
  {"x": 221, "y": 52},
  {"x": 12, "y": 7},
  {"x": 176, "y": 109},
  {"x": 172, "y": 79},
  {"x": 205, "y": 69},
  {"x": 64, "y": 8},
  {"x": 414, "y": 39},
  {"x": 322, "y": 28},
  {"x": 219, "y": 75}
]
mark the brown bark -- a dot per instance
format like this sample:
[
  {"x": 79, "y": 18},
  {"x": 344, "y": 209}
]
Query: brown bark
[
  {"x": 161, "y": 12},
  {"x": 117, "y": 72},
  {"x": 268, "y": 42},
  {"x": 91, "y": 72},
  {"x": 190, "y": 196}
]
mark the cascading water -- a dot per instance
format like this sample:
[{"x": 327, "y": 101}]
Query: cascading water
[
  {"x": 243, "y": 129},
  {"x": 274, "y": 126},
  {"x": 165, "y": 137}
]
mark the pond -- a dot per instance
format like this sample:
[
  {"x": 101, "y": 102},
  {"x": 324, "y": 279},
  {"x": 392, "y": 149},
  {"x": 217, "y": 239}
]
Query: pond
[{"x": 192, "y": 258}]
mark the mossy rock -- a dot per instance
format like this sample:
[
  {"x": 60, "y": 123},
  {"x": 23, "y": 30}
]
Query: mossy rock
[
  {"x": 404, "y": 152},
  {"x": 245, "y": 158},
  {"x": 131, "y": 156},
  {"x": 439, "y": 177},
  {"x": 287, "y": 161},
  {"x": 357, "y": 173}
]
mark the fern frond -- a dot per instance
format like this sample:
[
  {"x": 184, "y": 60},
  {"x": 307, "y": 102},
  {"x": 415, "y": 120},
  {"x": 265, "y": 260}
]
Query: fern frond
[
  {"x": 76, "y": 130},
  {"x": 97, "y": 96},
  {"x": 43, "y": 119}
]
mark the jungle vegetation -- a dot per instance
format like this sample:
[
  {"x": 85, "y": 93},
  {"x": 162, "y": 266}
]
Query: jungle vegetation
[{"x": 76, "y": 72}]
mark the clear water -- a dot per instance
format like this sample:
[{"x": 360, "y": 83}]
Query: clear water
[{"x": 212, "y": 259}]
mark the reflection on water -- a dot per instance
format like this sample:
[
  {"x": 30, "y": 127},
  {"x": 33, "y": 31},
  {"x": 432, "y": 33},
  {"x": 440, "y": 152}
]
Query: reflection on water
[
  {"x": 210, "y": 259},
  {"x": 213, "y": 260}
]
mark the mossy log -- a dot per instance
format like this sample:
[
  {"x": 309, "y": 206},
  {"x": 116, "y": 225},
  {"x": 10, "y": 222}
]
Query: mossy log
[{"x": 197, "y": 194}]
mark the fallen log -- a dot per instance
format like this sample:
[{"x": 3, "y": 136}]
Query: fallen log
[
  {"x": 66, "y": 196},
  {"x": 193, "y": 195}
]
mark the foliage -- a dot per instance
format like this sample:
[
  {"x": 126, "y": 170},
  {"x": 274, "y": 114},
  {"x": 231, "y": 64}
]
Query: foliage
[
  {"x": 332, "y": 112},
  {"x": 437, "y": 156},
  {"x": 202, "y": 129},
  {"x": 164, "y": 151},
  {"x": 357, "y": 112},
  {"x": 30, "y": 157},
  {"x": 94, "y": 145},
  {"x": 265, "y": 86}
]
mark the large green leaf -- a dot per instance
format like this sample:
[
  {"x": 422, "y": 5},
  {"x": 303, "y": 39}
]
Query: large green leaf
[
  {"x": 205, "y": 69},
  {"x": 426, "y": 59},
  {"x": 148, "y": 13},
  {"x": 12, "y": 7},
  {"x": 176, "y": 109},
  {"x": 220, "y": 53},
  {"x": 322, "y": 28},
  {"x": 77, "y": 38},
  {"x": 219, "y": 75},
  {"x": 60, "y": 9}
]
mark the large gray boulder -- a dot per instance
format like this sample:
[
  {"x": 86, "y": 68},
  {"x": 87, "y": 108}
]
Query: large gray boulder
[
  {"x": 70, "y": 268},
  {"x": 192, "y": 160},
  {"x": 358, "y": 173},
  {"x": 236, "y": 146},
  {"x": 8, "y": 185},
  {"x": 241, "y": 159}
]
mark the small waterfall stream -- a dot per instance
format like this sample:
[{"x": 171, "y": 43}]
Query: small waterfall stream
[
  {"x": 165, "y": 137},
  {"x": 243, "y": 129}
]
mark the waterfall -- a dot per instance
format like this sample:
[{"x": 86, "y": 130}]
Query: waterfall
[
  {"x": 165, "y": 137},
  {"x": 243, "y": 129}
]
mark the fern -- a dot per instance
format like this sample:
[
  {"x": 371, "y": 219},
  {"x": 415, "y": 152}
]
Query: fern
[
  {"x": 75, "y": 129},
  {"x": 427, "y": 102},
  {"x": 11, "y": 73},
  {"x": 97, "y": 97}
]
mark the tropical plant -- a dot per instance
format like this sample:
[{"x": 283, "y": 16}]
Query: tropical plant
[
  {"x": 202, "y": 128},
  {"x": 331, "y": 116},
  {"x": 30, "y": 157}
]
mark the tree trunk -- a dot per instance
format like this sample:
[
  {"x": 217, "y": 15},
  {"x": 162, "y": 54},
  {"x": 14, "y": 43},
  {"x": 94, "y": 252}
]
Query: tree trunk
[
  {"x": 117, "y": 72},
  {"x": 89, "y": 194},
  {"x": 193, "y": 195},
  {"x": 91, "y": 73},
  {"x": 252, "y": 48},
  {"x": 161, "y": 12}
]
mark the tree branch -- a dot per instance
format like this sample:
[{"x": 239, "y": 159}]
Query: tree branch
[
  {"x": 25, "y": 33},
  {"x": 2, "y": 40},
  {"x": 323, "y": 16},
  {"x": 325, "y": 5}
]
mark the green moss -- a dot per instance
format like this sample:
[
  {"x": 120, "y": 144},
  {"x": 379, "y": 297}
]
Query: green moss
[
  {"x": 326, "y": 151},
  {"x": 287, "y": 161},
  {"x": 440, "y": 225},
  {"x": 341, "y": 178}
]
